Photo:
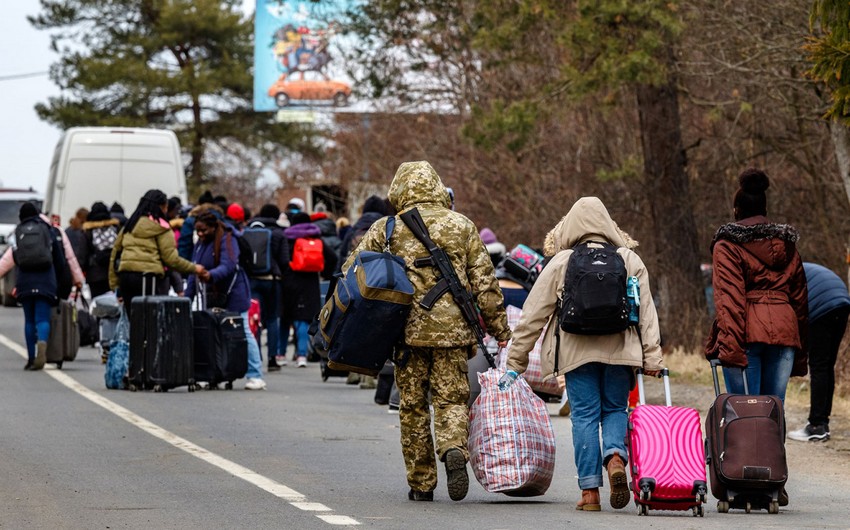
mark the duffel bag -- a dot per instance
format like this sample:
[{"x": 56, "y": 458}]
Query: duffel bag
[{"x": 365, "y": 318}]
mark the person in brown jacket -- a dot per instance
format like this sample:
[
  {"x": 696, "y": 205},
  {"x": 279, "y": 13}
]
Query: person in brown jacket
[{"x": 760, "y": 295}]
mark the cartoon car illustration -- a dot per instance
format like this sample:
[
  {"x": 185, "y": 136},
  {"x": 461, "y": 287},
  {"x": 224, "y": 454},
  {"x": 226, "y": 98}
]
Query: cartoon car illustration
[{"x": 309, "y": 85}]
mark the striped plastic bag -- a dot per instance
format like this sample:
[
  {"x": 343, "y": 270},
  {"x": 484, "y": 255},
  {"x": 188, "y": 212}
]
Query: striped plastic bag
[{"x": 511, "y": 441}]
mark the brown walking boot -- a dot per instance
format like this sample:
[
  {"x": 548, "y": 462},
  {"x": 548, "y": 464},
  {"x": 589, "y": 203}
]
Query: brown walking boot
[
  {"x": 589, "y": 501},
  {"x": 618, "y": 481}
]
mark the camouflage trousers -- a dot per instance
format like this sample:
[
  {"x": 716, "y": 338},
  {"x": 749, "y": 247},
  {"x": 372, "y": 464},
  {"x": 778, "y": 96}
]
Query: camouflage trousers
[{"x": 443, "y": 372}]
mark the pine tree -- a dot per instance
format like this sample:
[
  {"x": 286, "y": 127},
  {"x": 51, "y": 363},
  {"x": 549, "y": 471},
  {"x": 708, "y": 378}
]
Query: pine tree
[{"x": 178, "y": 64}]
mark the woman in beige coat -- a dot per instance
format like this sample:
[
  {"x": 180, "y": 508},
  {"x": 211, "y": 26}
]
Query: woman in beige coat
[{"x": 599, "y": 369}]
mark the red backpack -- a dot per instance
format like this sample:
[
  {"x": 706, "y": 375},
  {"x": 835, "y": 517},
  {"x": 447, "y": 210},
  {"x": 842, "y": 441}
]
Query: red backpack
[{"x": 307, "y": 255}]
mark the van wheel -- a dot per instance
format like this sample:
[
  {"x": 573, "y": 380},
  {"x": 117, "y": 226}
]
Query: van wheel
[
  {"x": 340, "y": 99},
  {"x": 281, "y": 100}
]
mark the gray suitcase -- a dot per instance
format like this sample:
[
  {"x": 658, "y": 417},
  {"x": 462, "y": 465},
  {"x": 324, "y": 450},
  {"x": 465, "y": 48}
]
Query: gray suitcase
[{"x": 64, "y": 341}]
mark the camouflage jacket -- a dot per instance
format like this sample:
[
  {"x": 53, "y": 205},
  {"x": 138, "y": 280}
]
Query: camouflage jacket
[{"x": 416, "y": 184}]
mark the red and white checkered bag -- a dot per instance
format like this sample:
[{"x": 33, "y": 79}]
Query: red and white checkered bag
[
  {"x": 534, "y": 372},
  {"x": 511, "y": 441}
]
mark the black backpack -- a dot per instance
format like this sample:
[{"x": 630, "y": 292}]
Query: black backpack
[
  {"x": 256, "y": 244},
  {"x": 33, "y": 246},
  {"x": 594, "y": 301}
]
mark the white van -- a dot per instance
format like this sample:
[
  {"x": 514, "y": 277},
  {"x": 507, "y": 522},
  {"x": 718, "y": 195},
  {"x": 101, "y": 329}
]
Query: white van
[{"x": 111, "y": 164}]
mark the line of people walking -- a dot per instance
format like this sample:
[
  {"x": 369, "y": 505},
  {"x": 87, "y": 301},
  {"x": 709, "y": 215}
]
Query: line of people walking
[{"x": 761, "y": 331}]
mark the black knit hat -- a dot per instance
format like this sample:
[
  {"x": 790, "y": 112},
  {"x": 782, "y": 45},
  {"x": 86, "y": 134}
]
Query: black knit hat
[
  {"x": 98, "y": 212},
  {"x": 270, "y": 210},
  {"x": 28, "y": 210},
  {"x": 375, "y": 204},
  {"x": 299, "y": 218},
  {"x": 206, "y": 197},
  {"x": 751, "y": 199}
]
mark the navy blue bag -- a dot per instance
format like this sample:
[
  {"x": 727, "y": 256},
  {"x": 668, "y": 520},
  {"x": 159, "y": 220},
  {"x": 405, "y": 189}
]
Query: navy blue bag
[{"x": 365, "y": 318}]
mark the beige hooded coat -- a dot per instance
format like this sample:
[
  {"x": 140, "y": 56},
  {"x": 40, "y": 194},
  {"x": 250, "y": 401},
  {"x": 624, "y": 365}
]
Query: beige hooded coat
[{"x": 587, "y": 220}]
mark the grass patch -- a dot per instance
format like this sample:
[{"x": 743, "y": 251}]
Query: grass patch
[{"x": 691, "y": 367}]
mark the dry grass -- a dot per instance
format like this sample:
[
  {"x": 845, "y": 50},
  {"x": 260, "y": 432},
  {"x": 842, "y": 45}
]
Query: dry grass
[{"x": 693, "y": 368}]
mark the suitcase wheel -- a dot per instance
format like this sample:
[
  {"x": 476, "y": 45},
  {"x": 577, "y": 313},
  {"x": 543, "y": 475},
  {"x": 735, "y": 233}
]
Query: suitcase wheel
[
  {"x": 132, "y": 388},
  {"x": 749, "y": 507},
  {"x": 722, "y": 507},
  {"x": 643, "y": 509},
  {"x": 699, "y": 511},
  {"x": 159, "y": 388},
  {"x": 191, "y": 387},
  {"x": 773, "y": 507},
  {"x": 59, "y": 365}
]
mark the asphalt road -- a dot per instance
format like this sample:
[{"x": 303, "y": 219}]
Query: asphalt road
[{"x": 302, "y": 454}]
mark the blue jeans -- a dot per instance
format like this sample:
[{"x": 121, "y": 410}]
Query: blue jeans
[
  {"x": 36, "y": 322},
  {"x": 255, "y": 367},
  {"x": 768, "y": 370},
  {"x": 268, "y": 293},
  {"x": 301, "y": 337},
  {"x": 598, "y": 394}
]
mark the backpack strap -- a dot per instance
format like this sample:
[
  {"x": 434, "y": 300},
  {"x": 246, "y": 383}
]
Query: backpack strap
[{"x": 389, "y": 232}]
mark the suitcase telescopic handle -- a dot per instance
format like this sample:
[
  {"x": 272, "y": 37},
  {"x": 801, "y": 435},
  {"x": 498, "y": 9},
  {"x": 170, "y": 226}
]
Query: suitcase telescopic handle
[
  {"x": 665, "y": 374},
  {"x": 714, "y": 364}
]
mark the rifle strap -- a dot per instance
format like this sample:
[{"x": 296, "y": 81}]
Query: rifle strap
[{"x": 413, "y": 219}]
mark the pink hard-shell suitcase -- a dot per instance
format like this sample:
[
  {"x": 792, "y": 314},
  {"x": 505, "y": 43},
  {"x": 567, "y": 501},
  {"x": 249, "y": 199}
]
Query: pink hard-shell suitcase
[{"x": 667, "y": 456}]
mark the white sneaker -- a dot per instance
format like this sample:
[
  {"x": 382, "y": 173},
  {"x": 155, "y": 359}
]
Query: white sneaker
[
  {"x": 810, "y": 433},
  {"x": 302, "y": 362},
  {"x": 280, "y": 360},
  {"x": 564, "y": 409},
  {"x": 255, "y": 384}
]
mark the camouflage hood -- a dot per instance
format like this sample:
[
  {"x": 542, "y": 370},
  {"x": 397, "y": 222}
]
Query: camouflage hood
[{"x": 416, "y": 183}]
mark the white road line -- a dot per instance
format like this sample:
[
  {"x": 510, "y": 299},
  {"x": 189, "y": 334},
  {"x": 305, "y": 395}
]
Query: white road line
[{"x": 277, "y": 489}]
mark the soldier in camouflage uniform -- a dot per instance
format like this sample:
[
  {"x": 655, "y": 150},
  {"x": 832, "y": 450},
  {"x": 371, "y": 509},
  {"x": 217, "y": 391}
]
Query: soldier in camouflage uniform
[{"x": 438, "y": 342}]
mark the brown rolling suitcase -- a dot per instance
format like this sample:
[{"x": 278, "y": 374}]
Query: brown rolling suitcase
[
  {"x": 745, "y": 449},
  {"x": 64, "y": 341}
]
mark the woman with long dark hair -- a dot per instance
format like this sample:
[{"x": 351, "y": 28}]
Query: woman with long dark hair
[
  {"x": 226, "y": 283},
  {"x": 145, "y": 246}
]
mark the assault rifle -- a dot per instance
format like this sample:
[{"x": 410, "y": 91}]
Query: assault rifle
[{"x": 448, "y": 280}]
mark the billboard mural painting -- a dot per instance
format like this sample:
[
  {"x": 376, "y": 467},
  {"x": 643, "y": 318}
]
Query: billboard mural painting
[{"x": 294, "y": 53}]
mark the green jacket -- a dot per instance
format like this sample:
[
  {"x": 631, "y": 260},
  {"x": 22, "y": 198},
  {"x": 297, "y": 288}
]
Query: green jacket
[
  {"x": 149, "y": 248},
  {"x": 416, "y": 184}
]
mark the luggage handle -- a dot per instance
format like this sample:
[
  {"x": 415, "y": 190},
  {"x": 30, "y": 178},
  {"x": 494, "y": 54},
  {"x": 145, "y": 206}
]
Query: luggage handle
[
  {"x": 714, "y": 364},
  {"x": 665, "y": 374},
  {"x": 200, "y": 300},
  {"x": 145, "y": 284}
]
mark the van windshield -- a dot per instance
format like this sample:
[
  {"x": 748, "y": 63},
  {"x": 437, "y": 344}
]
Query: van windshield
[{"x": 9, "y": 210}]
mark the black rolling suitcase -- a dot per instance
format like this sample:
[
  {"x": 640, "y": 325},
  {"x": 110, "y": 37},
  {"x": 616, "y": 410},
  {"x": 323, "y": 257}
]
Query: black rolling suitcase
[
  {"x": 745, "y": 449},
  {"x": 64, "y": 340},
  {"x": 161, "y": 344},
  {"x": 220, "y": 345}
]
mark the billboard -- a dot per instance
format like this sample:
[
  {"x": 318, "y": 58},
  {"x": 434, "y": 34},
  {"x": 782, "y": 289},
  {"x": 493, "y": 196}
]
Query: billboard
[{"x": 297, "y": 64}]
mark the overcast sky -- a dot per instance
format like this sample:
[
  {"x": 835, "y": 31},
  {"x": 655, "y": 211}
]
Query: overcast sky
[{"x": 26, "y": 143}]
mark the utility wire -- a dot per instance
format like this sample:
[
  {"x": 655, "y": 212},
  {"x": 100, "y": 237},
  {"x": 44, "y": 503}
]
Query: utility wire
[{"x": 13, "y": 77}]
